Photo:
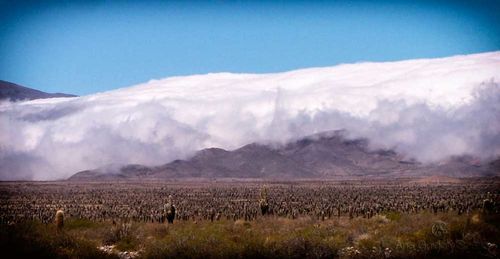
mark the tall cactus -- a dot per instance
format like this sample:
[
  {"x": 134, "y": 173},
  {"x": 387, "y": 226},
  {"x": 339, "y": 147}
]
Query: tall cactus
[
  {"x": 169, "y": 210},
  {"x": 488, "y": 204},
  {"x": 59, "y": 219},
  {"x": 263, "y": 202}
]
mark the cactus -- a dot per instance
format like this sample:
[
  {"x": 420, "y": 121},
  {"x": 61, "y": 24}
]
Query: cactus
[
  {"x": 169, "y": 210},
  {"x": 211, "y": 214},
  {"x": 59, "y": 219},
  {"x": 487, "y": 206},
  {"x": 263, "y": 192},
  {"x": 263, "y": 202}
]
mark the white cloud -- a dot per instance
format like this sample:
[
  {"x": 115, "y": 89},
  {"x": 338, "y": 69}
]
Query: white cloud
[{"x": 427, "y": 109}]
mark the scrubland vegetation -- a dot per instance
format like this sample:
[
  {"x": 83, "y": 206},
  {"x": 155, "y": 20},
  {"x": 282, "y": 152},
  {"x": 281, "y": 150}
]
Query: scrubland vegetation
[
  {"x": 391, "y": 235},
  {"x": 392, "y": 232}
]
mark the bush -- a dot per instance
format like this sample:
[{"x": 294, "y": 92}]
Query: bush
[{"x": 124, "y": 236}]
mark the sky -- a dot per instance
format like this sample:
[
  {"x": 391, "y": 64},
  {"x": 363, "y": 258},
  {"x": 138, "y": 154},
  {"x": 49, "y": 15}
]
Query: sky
[{"x": 83, "y": 47}]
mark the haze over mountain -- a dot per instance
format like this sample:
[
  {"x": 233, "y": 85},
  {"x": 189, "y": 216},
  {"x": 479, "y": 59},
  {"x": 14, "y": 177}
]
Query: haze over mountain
[
  {"x": 322, "y": 156},
  {"x": 429, "y": 110},
  {"x": 14, "y": 92}
]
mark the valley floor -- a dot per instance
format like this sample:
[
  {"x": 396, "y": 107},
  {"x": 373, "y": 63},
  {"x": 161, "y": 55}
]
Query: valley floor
[
  {"x": 389, "y": 235},
  {"x": 357, "y": 219}
]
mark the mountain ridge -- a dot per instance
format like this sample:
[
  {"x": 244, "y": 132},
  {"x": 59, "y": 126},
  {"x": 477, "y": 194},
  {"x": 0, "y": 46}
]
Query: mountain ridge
[{"x": 323, "y": 156}]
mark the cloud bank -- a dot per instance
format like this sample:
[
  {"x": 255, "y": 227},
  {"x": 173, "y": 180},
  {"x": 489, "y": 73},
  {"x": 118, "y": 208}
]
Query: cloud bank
[{"x": 427, "y": 109}]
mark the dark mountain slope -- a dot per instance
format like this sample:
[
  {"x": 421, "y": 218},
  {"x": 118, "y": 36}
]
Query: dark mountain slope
[
  {"x": 14, "y": 92},
  {"x": 323, "y": 156}
]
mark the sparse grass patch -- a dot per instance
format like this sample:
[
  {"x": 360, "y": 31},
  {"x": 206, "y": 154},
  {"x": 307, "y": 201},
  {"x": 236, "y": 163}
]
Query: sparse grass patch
[
  {"x": 72, "y": 224},
  {"x": 392, "y": 215}
]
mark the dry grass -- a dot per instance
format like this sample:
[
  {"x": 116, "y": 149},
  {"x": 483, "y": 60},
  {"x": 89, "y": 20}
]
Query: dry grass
[{"x": 391, "y": 235}]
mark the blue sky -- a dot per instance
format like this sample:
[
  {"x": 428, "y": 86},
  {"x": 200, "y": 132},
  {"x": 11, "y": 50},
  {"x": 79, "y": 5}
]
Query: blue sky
[{"x": 83, "y": 47}]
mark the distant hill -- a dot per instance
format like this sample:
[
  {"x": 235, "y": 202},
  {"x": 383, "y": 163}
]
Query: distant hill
[
  {"x": 324, "y": 156},
  {"x": 16, "y": 92}
]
